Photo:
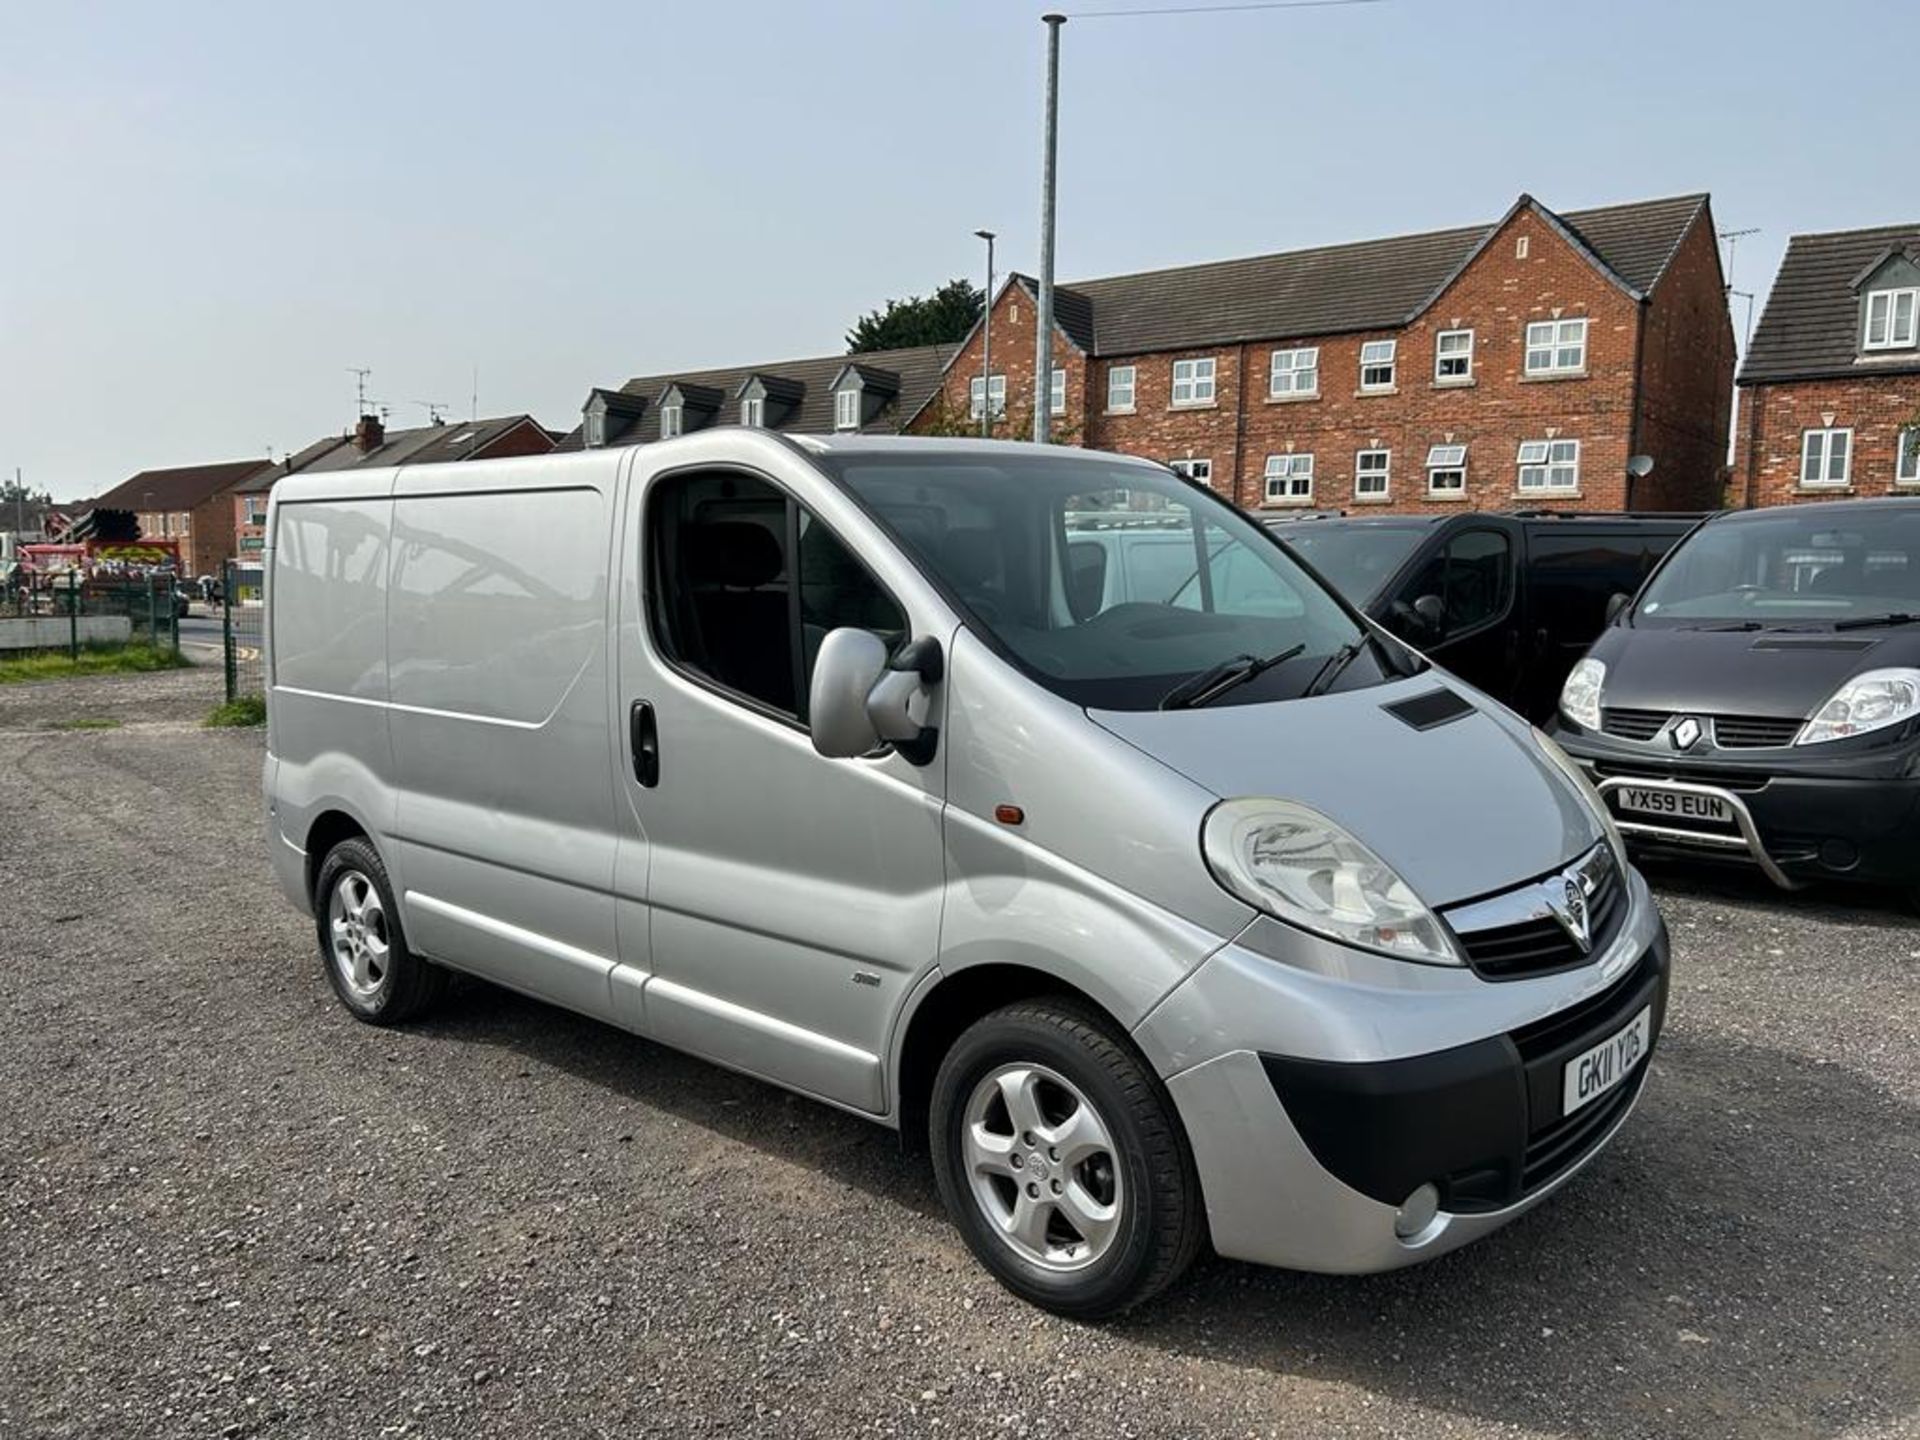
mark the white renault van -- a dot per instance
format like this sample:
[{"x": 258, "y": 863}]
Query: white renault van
[{"x": 1209, "y": 914}]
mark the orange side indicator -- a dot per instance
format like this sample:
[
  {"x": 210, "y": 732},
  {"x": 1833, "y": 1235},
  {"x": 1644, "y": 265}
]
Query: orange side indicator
[{"x": 1009, "y": 814}]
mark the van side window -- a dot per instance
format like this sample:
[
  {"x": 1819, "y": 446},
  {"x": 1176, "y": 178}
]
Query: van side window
[
  {"x": 1574, "y": 574},
  {"x": 722, "y": 601},
  {"x": 1471, "y": 578}
]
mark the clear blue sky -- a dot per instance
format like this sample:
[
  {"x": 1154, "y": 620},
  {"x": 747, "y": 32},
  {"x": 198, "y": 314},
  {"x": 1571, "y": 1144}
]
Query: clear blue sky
[{"x": 211, "y": 211}]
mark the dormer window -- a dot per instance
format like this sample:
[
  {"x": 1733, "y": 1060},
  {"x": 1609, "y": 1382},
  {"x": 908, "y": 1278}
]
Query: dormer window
[
  {"x": 594, "y": 431},
  {"x": 861, "y": 394},
  {"x": 1893, "y": 319},
  {"x": 753, "y": 411},
  {"x": 685, "y": 407}
]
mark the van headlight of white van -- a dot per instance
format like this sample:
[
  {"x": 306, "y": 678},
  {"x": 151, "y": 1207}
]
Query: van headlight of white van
[
  {"x": 1580, "y": 696},
  {"x": 1297, "y": 865},
  {"x": 1871, "y": 700}
]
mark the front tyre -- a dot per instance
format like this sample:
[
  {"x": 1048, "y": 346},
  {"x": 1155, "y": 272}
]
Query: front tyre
[
  {"x": 1061, "y": 1161},
  {"x": 362, "y": 946}
]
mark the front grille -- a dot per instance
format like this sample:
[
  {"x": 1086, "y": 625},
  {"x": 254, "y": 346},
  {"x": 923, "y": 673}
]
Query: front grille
[
  {"x": 1541, "y": 946},
  {"x": 1657, "y": 768},
  {"x": 1553, "y": 1149},
  {"x": 1599, "y": 1014},
  {"x": 1633, "y": 724},
  {"x": 1753, "y": 732}
]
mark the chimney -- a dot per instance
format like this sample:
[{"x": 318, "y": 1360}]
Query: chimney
[{"x": 369, "y": 435}]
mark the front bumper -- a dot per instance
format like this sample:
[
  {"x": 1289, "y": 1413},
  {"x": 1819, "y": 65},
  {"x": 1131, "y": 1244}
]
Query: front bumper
[
  {"x": 1306, "y": 1152},
  {"x": 1852, "y": 812}
]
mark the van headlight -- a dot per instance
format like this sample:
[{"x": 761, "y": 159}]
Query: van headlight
[
  {"x": 1871, "y": 700},
  {"x": 1297, "y": 865},
  {"x": 1580, "y": 696}
]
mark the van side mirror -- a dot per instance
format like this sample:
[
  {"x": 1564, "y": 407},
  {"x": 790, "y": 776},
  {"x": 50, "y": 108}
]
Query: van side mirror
[
  {"x": 1432, "y": 613},
  {"x": 861, "y": 696},
  {"x": 1615, "y": 604}
]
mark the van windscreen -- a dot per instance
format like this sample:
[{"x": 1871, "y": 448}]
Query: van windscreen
[
  {"x": 1111, "y": 583},
  {"x": 1357, "y": 559}
]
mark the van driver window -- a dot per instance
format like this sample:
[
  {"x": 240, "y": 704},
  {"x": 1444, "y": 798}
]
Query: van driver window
[{"x": 722, "y": 601}]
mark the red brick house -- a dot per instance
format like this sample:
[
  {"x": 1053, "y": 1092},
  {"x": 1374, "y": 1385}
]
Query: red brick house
[
  {"x": 1830, "y": 391},
  {"x": 187, "y": 504},
  {"x": 1521, "y": 363}
]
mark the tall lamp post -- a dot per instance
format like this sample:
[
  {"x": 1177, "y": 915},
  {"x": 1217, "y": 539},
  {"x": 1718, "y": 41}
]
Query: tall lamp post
[
  {"x": 1043, "y": 329},
  {"x": 986, "y": 342}
]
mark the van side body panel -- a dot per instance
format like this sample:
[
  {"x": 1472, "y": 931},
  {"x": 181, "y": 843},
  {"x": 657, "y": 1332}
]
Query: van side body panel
[{"x": 504, "y": 823}]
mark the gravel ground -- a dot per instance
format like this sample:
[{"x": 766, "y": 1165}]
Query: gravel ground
[
  {"x": 166, "y": 695},
  {"x": 229, "y": 1210}
]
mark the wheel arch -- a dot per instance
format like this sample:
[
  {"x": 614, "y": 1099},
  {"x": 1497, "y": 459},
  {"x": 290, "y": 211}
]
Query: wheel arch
[
  {"x": 943, "y": 1011},
  {"x": 328, "y": 829}
]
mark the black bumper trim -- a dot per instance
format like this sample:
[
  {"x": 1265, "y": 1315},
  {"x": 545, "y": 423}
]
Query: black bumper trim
[{"x": 1481, "y": 1121}]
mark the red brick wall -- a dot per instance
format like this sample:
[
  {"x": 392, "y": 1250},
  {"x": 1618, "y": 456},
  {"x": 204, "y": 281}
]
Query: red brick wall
[
  {"x": 1686, "y": 379},
  {"x": 1772, "y": 418},
  {"x": 526, "y": 438},
  {"x": 1012, "y": 323}
]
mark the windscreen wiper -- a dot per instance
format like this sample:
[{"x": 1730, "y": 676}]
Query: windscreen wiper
[
  {"x": 1864, "y": 622},
  {"x": 1331, "y": 667},
  {"x": 1216, "y": 680}
]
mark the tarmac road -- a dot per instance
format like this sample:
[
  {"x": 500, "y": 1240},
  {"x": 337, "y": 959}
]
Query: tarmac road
[{"x": 226, "y": 1209}]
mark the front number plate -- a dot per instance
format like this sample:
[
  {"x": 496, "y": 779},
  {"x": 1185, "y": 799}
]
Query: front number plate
[
  {"x": 1683, "y": 804},
  {"x": 1593, "y": 1074}
]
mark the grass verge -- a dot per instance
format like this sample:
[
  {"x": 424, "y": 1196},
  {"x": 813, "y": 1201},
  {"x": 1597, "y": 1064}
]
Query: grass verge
[
  {"x": 138, "y": 658},
  {"x": 247, "y": 710},
  {"x": 87, "y": 722}
]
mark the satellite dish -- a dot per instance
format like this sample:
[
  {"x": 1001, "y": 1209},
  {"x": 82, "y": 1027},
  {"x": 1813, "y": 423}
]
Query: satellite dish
[{"x": 1639, "y": 466}]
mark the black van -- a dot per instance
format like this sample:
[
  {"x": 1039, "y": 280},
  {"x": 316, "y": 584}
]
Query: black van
[
  {"x": 1761, "y": 697},
  {"x": 1507, "y": 602}
]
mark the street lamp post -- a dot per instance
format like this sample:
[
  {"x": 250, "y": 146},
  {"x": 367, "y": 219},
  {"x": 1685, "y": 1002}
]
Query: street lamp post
[
  {"x": 1043, "y": 328},
  {"x": 986, "y": 342}
]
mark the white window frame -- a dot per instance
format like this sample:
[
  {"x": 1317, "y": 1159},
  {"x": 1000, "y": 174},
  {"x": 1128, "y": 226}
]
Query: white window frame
[
  {"x": 256, "y": 509},
  {"x": 1390, "y": 363},
  {"x": 1195, "y": 381},
  {"x": 1057, "y": 393},
  {"x": 672, "y": 421},
  {"x": 1546, "y": 460},
  {"x": 1118, "y": 386},
  {"x": 1560, "y": 337},
  {"x": 1283, "y": 475},
  {"x": 846, "y": 408},
  {"x": 753, "y": 411},
  {"x": 1446, "y": 460},
  {"x": 593, "y": 430},
  {"x": 1906, "y": 456},
  {"x": 1826, "y": 480},
  {"x": 1290, "y": 366},
  {"x": 1441, "y": 356},
  {"x": 1383, "y": 473},
  {"x": 1194, "y": 468},
  {"x": 1893, "y": 338},
  {"x": 996, "y": 391}
]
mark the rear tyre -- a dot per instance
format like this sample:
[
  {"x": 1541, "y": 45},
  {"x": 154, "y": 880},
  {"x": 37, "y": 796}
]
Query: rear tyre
[
  {"x": 362, "y": 946},
  {"x": 1060, "y": 1159}
]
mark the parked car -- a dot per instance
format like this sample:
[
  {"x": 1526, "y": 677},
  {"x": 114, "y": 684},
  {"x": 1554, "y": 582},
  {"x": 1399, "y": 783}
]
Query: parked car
[
  {"x": 1761, "y": 697},
  {"x": 182, "y": 602},
  {"x": 1162, "y": 916},
  {"x": 1507, "y": 602}
]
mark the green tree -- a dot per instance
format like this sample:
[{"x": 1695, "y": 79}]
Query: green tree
[{"x": 940, "y": 318}]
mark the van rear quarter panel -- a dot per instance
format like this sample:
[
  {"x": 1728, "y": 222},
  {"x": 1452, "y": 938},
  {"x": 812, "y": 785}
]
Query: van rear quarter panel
[
  {"x": 327, "y": 647},
  {"x": 498, "y": 673}
]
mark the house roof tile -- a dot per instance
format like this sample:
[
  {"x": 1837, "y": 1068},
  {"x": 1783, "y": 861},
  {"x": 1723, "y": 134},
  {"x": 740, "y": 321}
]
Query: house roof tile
[{"x": 1810, "y": 328}]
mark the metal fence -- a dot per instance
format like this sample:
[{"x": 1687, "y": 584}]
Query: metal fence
[
  {"x": 67, "y": 604},
  {"x": 242, "y": 626}
]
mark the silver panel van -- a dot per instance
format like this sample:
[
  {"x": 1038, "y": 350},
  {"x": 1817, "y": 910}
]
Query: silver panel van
[{"x": 1027, "y": 799}]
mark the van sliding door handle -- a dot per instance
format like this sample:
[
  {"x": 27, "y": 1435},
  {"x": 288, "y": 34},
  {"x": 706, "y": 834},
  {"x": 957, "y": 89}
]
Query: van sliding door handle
[{"x": 644, "y": 733}]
